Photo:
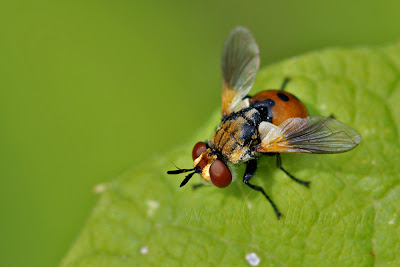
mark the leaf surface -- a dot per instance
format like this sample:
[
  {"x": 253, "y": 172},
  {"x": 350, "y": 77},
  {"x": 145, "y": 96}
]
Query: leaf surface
[{"x": 348, "y": 216}]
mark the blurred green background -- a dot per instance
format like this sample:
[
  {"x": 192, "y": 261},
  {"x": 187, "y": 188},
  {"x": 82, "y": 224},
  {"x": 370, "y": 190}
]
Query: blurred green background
[{"x": 90, "y": 88}]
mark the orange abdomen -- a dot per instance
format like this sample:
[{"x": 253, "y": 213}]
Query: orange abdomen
[{"x": 286, "y": 105}]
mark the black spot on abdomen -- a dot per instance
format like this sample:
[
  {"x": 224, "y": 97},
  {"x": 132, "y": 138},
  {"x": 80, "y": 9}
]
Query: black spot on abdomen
[{"x": 283, "y": 97}]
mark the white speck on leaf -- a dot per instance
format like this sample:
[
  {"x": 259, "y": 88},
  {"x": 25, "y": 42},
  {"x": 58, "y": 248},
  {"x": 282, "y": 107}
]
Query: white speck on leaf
[
  {"x": 392, "y": 221},
  {"x": 253, "y": 259},
  {"x": 100, "y": 188},
  {"x": 144, "y": 250},
  {"x": 152, "y": 206}
]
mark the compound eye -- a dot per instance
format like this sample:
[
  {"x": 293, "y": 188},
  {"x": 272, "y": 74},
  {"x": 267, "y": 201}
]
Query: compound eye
[
  {"x": 220, "y": 174},
  {"x": 198, "y": 148}
]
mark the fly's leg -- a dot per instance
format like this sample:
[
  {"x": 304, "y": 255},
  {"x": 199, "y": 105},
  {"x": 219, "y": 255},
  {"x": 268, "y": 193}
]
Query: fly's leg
[
  {"x": 279, "y": 165},
  {"x": 285, "y": 82},
  {"x": 250, "y": 170}
]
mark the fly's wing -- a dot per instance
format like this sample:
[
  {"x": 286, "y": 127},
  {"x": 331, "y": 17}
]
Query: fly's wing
[
  {"x": 240, "y": 61},
  {"x": 317, "y": 135}
]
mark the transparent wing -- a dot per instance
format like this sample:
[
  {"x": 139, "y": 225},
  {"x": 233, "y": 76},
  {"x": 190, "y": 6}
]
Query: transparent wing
[
  {"x": 240, "y": 61},
  {"x": 319, "y": 135}
]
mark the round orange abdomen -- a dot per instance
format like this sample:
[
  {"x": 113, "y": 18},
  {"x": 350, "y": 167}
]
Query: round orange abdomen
[{"x": 286, "y": 105}]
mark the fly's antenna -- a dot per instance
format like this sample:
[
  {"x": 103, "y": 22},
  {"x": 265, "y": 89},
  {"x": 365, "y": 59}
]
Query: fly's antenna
[
  {"x": 178, "y": 171},
  {"x": 175, "y": 165},
  {"x": 187, "y": 178}
]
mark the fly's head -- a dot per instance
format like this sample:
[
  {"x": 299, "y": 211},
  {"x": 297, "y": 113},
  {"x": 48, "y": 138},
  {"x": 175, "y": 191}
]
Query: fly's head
[{"x": 206, "y": 163}]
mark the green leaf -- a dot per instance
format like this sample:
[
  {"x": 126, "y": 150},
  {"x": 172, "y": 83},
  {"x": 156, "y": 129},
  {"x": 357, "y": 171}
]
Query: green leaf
[{"x": 349, "y": 215}]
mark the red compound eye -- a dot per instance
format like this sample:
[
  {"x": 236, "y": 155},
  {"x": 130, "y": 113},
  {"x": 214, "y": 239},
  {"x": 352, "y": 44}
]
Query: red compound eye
[
  {"x": 220, "y": 174},
  {"x": 198, "y": 148}
]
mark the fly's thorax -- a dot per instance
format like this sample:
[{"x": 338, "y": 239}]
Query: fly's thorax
[
  {"x": 204, "y": 161},
  {"x": 237, "y": 135}
]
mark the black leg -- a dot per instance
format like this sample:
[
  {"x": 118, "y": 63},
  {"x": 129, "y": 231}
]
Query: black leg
[
  {"x": 279, "y": 165},
  {"x": 250, "y": 170},
  {"x": 285, "y": 82}
]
